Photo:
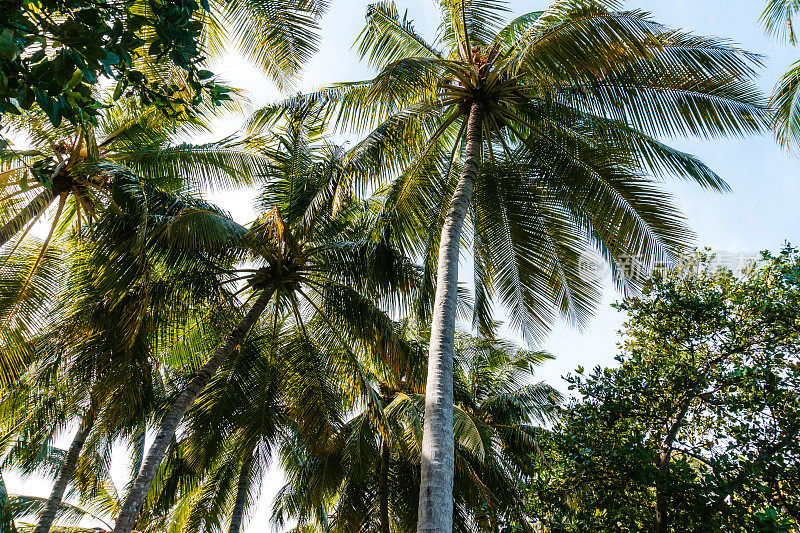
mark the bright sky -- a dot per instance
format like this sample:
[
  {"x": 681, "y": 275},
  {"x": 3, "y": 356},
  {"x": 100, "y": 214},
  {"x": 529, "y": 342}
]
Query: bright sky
[{"x": 760, "y": 213}]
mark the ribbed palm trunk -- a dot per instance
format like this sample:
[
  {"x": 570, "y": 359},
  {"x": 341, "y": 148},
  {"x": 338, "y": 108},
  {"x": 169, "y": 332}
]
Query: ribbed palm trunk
[
  {"x": 242, "y": 486},
  {"x": 383, "y": 486},
  {"x": 65, "y": 473},
  {"x": 30, "y": 212},
  {"x": 169, "y": 425},
  {"x": 438, "y": 447}
]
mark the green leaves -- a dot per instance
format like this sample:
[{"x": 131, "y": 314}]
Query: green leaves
[
  {"x": 337, "y": 484},
  {"x": 697, "y": 416},
  {"x": 58, "y": 50},
  {"x": 387, "y": 38},
  {"x": 575, "y": 98},
  {"x": 278, "y": 36},
  {"x": 777, "y": 19}
]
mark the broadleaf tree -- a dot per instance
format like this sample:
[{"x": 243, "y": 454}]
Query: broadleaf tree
[{"x": 696, "y": 426}]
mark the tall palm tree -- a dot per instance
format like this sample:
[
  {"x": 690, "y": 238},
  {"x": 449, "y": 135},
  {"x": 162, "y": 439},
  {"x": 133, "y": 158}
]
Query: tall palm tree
[
  {"x": 367, "y": 480},
  {"x": 94, "y": 348},
  {"x": 778, "y": 21},
  {"x": 544, "y": 130},
  {"x": 307, "y": 253}
]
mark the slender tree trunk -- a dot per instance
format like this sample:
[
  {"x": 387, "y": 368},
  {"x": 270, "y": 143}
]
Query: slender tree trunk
[
  {"x": 438, "y": 448},
  {"x": 31, "y": 211},
  {"x": 241, "y": 494},
  {"x": 662, "y": 505},
  {"x": 65, "y": 473},
  {"x": 169, "y": 425},
  {"x": 383, "y": 486}
]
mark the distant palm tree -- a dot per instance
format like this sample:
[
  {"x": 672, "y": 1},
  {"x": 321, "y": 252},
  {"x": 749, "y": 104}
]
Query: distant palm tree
[
  {"x": 309, "y": 256},
  {"x": 74, "y": 167},
  {"x": 544, "y": 131},
  {"x": 287, "y": 378},
  {"x": 778, "y": 20},
  {"x": 366, "y": 479}
]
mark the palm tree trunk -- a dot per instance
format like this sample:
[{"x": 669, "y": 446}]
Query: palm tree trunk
[
  {"x": 65, "y": 473},
  {"x": 438, "y": 448},
  {"x": 169, "y": 424},
  {"x": 31, "y": 211},
  {"x": 241, "y": 494},
  {"x": 383, "y": 486}
]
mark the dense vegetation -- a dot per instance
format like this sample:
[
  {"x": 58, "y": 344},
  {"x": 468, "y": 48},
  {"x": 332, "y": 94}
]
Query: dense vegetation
[
  {"x": 332, "y": 335},
  {"x": 696, "y": 428}
]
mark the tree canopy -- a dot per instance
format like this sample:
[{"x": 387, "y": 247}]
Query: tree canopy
[{"x": 696, "y": 428}]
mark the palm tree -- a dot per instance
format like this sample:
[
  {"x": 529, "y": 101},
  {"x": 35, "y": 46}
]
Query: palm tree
[
  {"x": 309, "y": 257},
  {"x": 121, "y": 297},
  {"x": 365, "y": 480},
  {"x": 544, "y": 130},
  {"x": 76, "y": 165},
  {"x": 778, "y": 21},
  {"x": 281, "y": 381}
]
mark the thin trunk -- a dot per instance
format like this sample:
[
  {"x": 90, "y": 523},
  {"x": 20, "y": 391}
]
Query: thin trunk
[
  {"x": 242, "y": 487},
  {"x": 65, "y": 473},
  {"x": 169, "y": 424},
  {"x": 662, "y": 505},
  {"x": 438, "y": 448},
  {"x": 30, "y": 212},
  {"x": 383, "y": 486}
]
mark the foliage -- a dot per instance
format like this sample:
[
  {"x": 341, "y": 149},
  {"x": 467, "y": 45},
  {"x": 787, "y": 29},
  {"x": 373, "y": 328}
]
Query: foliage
[
  {"x": 70, "y": 170},
  {"x": 697, "y": 427},
  {"x": 573, "y": 100},
  {"x": 53, "y": 52},
  {"x": 373, "y": 458},
  {"x": 133, "y": 283},
  {"x": 778, "y": 20},
  {"x": 541, "y": 135}
]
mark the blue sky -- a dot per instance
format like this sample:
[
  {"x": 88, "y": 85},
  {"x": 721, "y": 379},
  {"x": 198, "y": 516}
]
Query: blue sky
[{"x": 760, "y": 213}]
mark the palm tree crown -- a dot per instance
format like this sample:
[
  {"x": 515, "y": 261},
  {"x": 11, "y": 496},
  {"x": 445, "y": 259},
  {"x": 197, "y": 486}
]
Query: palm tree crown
[
  {"x": 544, "y": 130},
  {"x": 367, "y": 479}
]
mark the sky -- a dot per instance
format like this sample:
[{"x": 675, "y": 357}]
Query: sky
[{"x": 760, "y": 213}]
